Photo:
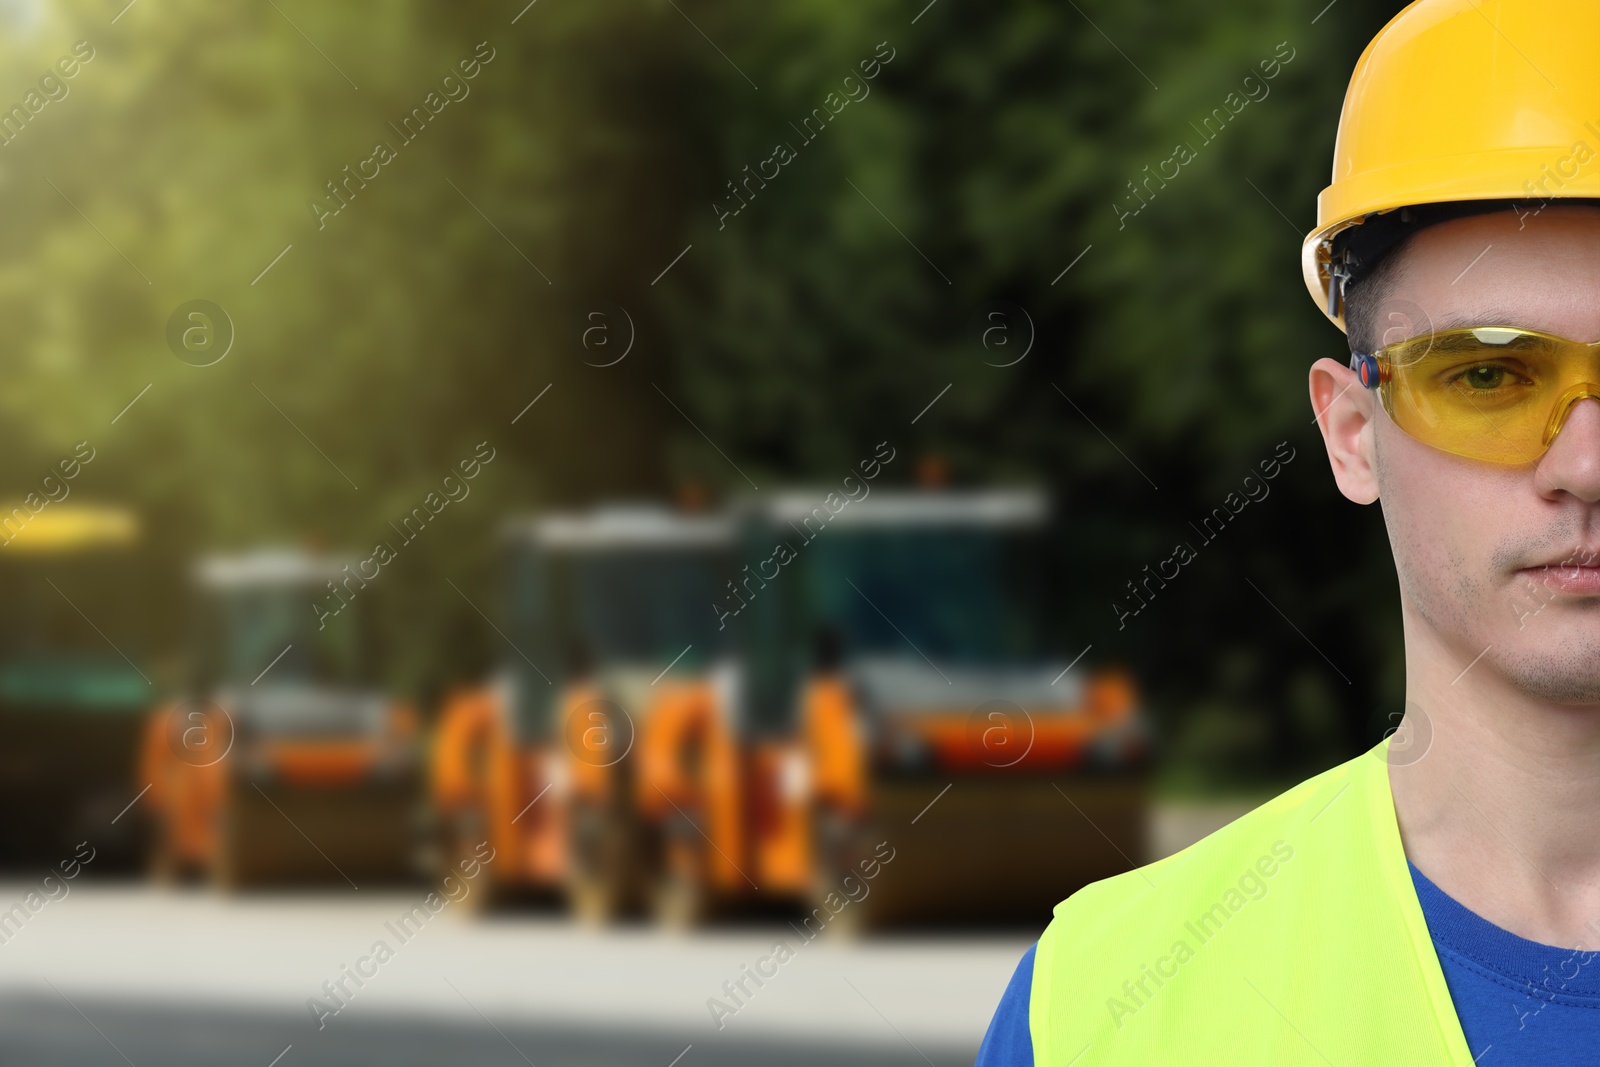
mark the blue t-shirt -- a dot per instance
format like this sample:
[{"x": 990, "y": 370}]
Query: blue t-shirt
[{"x": 1521, "y": 1004}]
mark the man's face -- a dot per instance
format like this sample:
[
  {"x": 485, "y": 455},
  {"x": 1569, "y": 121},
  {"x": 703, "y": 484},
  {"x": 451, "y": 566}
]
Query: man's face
[{"x": 1471, "y": 540}]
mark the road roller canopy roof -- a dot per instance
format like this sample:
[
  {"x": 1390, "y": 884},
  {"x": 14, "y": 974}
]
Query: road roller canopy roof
[
  {"x": 909, "y": 507},
  {"x": 623, "y": 527},
  {"x": 60, "y": 528},
  {"x": 269, "y": 567}
]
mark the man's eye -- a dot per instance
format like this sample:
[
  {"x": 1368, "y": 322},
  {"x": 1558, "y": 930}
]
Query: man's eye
[{"x": 1487, "y": 376}]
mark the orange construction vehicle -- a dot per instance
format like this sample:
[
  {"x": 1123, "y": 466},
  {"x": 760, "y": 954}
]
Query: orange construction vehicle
[
  {"x": 607, "y": 626},
  {"x": 887, "y": 708},
  {"x": 286, "y": 762}
]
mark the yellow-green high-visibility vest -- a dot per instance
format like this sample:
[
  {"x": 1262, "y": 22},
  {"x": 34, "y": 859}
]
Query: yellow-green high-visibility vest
[{"x": 1291, "y": 936}]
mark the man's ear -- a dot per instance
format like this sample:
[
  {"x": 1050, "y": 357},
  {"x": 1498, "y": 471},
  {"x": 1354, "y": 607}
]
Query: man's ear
[{"x": 1345, "y": 410}]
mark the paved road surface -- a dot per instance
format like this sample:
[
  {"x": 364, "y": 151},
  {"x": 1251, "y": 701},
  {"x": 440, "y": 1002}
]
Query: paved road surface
[
  {"x": 117, "y": 974},
  {"x": 121, "y": 974}
]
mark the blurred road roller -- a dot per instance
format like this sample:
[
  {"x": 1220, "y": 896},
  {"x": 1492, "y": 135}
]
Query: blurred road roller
[
  {"x": 72, "y": 703},
  {"x": 888, "y": 740},
  {"x": 293, "y": 767},
  {"x": 608, "y": 617}
]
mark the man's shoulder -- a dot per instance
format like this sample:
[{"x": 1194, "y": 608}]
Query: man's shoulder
[
  {"x": 1302, "y": 909},
  {"x": 1251, "y": 849}
]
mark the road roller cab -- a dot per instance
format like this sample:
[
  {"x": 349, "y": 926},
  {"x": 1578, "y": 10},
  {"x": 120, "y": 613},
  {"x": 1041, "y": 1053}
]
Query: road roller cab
[{"x": 286, "y": 761}]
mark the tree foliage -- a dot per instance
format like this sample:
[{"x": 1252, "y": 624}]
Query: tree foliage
[{"x": 783, "y": 343}]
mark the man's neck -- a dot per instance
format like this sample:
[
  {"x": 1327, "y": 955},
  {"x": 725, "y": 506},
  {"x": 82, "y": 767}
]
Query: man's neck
[{"x": 1497, "y": 794}]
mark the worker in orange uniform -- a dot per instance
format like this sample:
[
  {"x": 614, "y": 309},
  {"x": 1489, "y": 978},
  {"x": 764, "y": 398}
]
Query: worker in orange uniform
[{"x": 1435, "y": 900}]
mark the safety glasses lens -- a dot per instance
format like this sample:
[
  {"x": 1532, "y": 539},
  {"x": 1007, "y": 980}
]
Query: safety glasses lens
[{"x": 1486, "y": 393}]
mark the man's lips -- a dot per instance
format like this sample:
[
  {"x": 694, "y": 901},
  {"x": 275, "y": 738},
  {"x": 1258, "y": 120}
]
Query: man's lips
[{"x": 1571, "y": 578}]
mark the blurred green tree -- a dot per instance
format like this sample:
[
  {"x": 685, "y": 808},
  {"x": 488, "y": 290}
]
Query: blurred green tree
[{"x": 583, "y": 171}]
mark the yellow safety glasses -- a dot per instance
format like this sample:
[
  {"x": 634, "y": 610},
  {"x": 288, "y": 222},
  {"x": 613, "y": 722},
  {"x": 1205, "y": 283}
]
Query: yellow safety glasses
[{"x": 1493, "y": 393}]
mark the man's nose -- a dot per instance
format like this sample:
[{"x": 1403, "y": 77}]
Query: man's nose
[{"x": 1572, "y": 465}]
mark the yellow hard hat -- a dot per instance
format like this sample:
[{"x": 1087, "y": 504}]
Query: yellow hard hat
[{"x": 1462, "y": 100}]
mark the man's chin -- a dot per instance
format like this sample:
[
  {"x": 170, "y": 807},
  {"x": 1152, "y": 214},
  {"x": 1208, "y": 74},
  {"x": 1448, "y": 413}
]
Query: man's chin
[{"x": 1572, "y": 680}]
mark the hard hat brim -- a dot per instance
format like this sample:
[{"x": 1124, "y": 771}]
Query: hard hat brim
[{"x": 1504, "y": 175}]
